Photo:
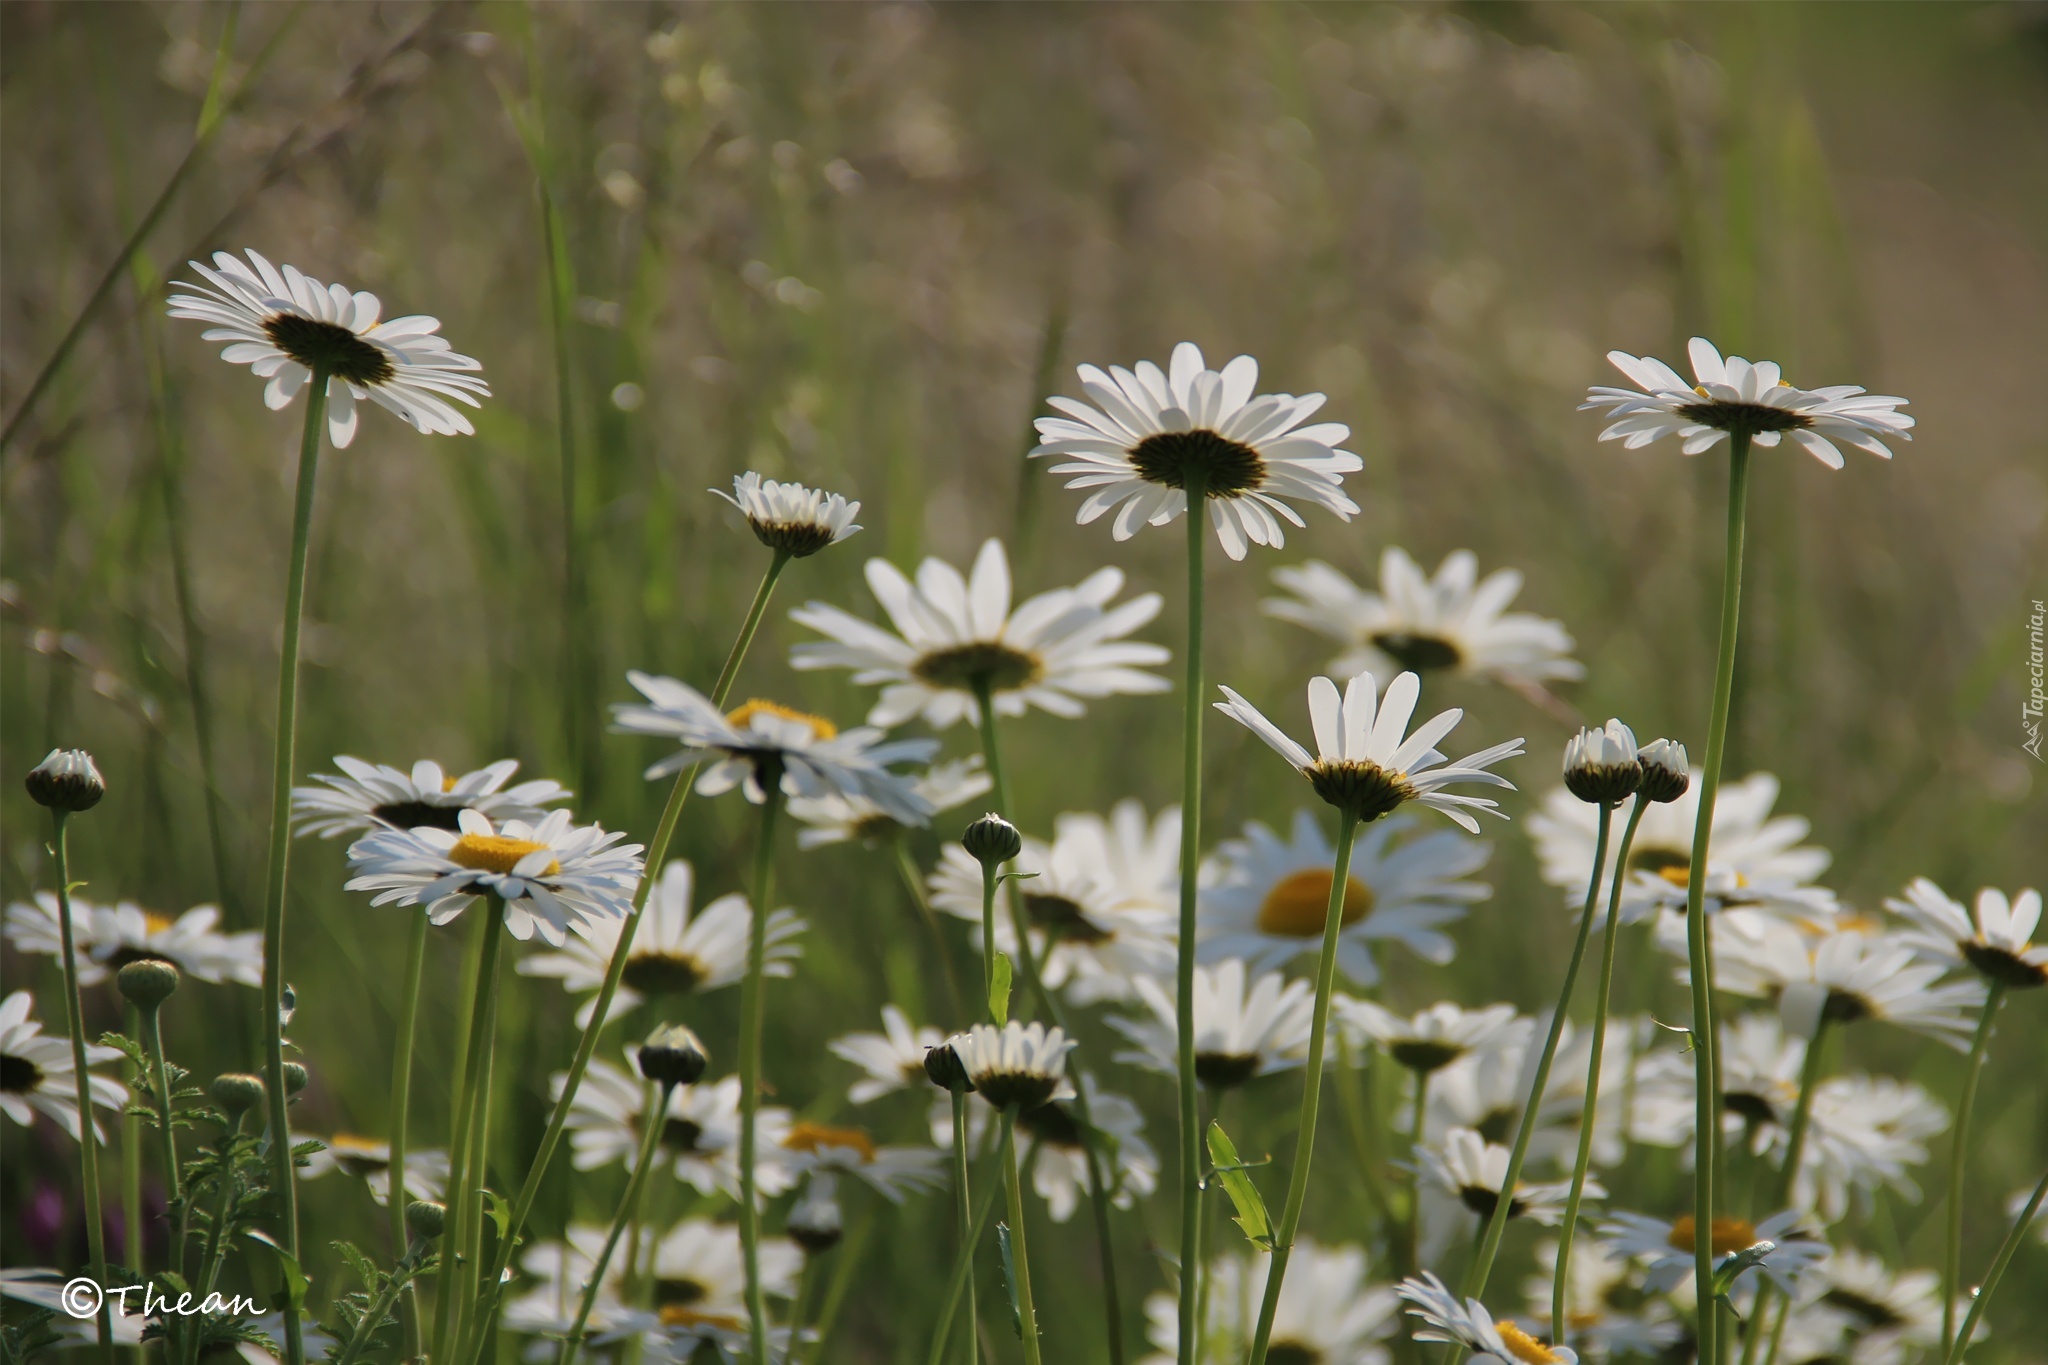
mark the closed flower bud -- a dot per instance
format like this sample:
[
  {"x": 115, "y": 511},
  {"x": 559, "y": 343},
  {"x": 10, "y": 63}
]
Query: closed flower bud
[
  {"x": 236, "y": 1093},
  {"x": 672, "y": 1055},
  {"x": 148, "y": 983},
  {"x": 296, "y": 1078},
  {"x": 426, "y": 1219},
  {"x": 1600, "y": 765},
  {"x": 1666, "y": 773},
  {"x": 992, "y": 840},
  {"x": 942, "y": 1065},
  {"x": 67, "y": 781}
]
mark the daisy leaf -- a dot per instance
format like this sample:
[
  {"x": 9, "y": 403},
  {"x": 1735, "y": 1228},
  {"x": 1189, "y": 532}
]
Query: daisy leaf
[{"x": 1244, "y": 1195}]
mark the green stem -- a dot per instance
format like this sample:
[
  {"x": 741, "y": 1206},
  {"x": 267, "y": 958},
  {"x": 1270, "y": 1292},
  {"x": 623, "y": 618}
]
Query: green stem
[
  {"x": 1013, "y": 1193},
  {"x": 1312, "y": 1086},
  {"x": 159, "y": 1080},
  {"x": 962, "y": 1279},
  {"x": 1705, "y": 1041},
  {"x": 1489, "y": 1246},
  {"x": 479, "y": 1151},
  {"x": 1411, "y": 1241},
  {"x": 968, "y": 1233},
  {"x": 1982, "y": 1297},
  {"x": 1795, "y": 1150},
  {"x": 629, "y": 1204},
  {"x": 1952, "y": 1262},
  {"x": 131, "y": 1166},
  {"x": 1193, "y": 705},
  {"x": 769, "y": 775},
  {"x": 88, "y": 1139},
  {"x": 283, "y": 1174},
  {"x": 989, "y": 878},
  {"x": 1589, "y": 1110},
  {"x": 586, "y": 1046},
  {"x": 458, "y": 1147},
  {"x": 465, "y": 1183},
  {"x": 401, "y": 1078},
  {"x": 380, "y": 1308}
]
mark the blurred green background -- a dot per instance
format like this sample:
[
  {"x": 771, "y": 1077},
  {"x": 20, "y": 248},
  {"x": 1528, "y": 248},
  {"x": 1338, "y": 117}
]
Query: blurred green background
[{"x": 855, "y": 245}]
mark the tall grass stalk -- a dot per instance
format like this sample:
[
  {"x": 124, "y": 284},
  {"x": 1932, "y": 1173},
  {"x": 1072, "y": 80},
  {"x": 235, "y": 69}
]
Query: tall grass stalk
[
  {"x": 74, "y": 1026},
  {"x": 1188, "y": 1093},
  {"x": 768, "y": 774},
  {"x": 1982, "y": 1298},
  {"x": 1959, "y": 1150}
]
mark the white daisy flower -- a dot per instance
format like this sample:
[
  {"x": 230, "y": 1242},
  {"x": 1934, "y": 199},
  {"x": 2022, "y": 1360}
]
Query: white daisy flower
[
  {"x": 1473, "y": 1171},
  {"x": 1605, "y": 1309},
  {"x": 1148, "y": 432},
  {"x": 700, "y": 1292},
  {"x": 1017, "y": 1065},
  {"x": 1760, "y": 1072},
  {"x": 1665, "y": 1248},
  {"x": 700, "y": 1131},
  {"x": 789, "y": 517},
  {"x": 811, "y": 1148},
  {"x": 284, "y": 325},
  {"x": 1454, "y": 622},
  {"x": 957, "y": 634},
  {"x": 551, "y": 876},
  {"x": 816, "y": 759},
  {"x": 675, "y": 952},
  {"x": 1735, "y": 395},
  {"x": 1889, "y": 1316},
  {"x": 892, "y": 1059},
  {"x": 1264, "y": 898},
  {"x": 1433, "y": 1038},
  {"x": 106, "y": 938},
  {"x": 835, "y": 819},
  {"x": 548, "y": 1309},
  {"x": 37, "y": 1075},
  {"x": 1363, "y": 765},
  {"x": 370, "y": 796},
  {"x": 1997, "y": 939},
  {"x": 1060, "y": 1175},
  {"x": 1101, "y": 905},
  {"x": 1866, "y": 1132},
  {"x": 1754, "y": 859},
  {"x": 1244, "y": 1027},
  {"x": 1469, "y": 1325},
  {"x": 1329, "y": 1313},
  {"x": 1485, "y": 1090},
  {"x": 426, "y": 1172}
]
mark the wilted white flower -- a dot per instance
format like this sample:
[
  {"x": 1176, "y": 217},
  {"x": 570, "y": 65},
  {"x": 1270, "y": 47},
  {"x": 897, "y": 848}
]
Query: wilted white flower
[
  {"x": 789, "y": 517},
  {"x": 370, "y": 796}
]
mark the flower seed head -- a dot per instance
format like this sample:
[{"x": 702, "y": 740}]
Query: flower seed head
[
  {"x": 67, "y": 781},
  {"x": 148, "y": 983},
  {"x": 992, "y": 840},
  {"x": 1600, "y": 766},
  {"x": 296, "y": 1078},
  {"x": 236, "y": 1092},
  {"x": 425, "y": 1218},
  {"x": 672, "y": 1055},
  {"x": 942, "y": 1064},
  {"x": 1666, "y": 773}
]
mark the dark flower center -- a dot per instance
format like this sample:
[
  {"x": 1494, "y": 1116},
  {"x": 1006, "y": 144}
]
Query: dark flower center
[
  {"x": 1359, "y": 786},
  {"x": 1869, "y": 1310},
  {"x": 1749, "y": 417},
  {"x": 18, "y": 1075},
  {"x": 662, "y": 974},
  {"x": 678, "y": 1293},
  {"x": 681, "y": 1135},
  {"x": 1844, "y": 1008},
  {"x": 1425, "y": 1055},
  {"x": 981, "y": 663},
  {"x": 1481, "y": 1201},
  {"x": 1754, "y": 1109},
  {"x": 1226, "y": 468},
  {"x": 800, "y": 539},
  {"x": 1051, "y": 1123},
  {"x": 1025, "y": 1089},
  {"x": 1494, "y": 1125},
  {"x": 331, "y": 348},
  {"x": 872, "y": 828},
  {"x": 415, "y": 814},
  {"x": 1225, "y": 1070},
  {"x": 1063, "y": 918},
  {"x": 1418, "y": 653},
  {"x": 2004, "y": 967},
  {"x": 1292, "y": 1353}
]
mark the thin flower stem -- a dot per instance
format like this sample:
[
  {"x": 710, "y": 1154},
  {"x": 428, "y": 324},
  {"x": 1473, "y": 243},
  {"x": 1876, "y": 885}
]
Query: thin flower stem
[
  {"x": 1192, "y": 706},
  {"x": 131, "y": 1167},
  {"x": 1312, "y": 1088},
  {"x": 1489, "y": 1246},
  {"x": 969, "y": 1232},
  {"x": 1705, "y": 1040},
  {"x": 962, "y": 1280},
  {"x": 159, "y": 1081},
  {"x": 1588, "y": 1111},
  {"x": 401, "y": 1077},
  {"x": 477, "y": 1081},
  {"x": 586, "y": 1047},
  {"x": 283, "y": 1173},
  {"x": 366, "y": 1327},
  {"x": 769, "y": 776},
  {"x": 906, "y": 866},
  {"x": 88, "y": 1140},
  {"x": 1952, "y": 1262},
  {"x": 458, "y": 1146},
  {"x": 989, "y": 877},
  {"x": 1013, "y": 1192},
  {"x": 1410, "y": 1251},
  {"x": 627, "y": 1212},
  {"x": 1982, "y": 1297},
  {"x": 1795, "y": 1150}
]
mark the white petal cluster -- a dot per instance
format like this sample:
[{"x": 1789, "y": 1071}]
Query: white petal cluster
[
  {"x": 367, "y": 796},
  {"x": 790, "y": 517},
  {"x": 107, "y": 937},
  {"x": 1244, "y": 1026},
  {"x": 1469, "y": 1325},
  {"x": 42, "y": 1079}
]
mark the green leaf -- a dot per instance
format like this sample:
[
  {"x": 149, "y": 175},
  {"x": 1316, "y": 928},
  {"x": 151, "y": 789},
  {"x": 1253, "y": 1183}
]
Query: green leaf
[
  {"x": 499, "y": 1213},
  {"x": 295, "y": 1281},
  {"x": 1009, "y": 1260},
  {"x": 999, "y": 990},
  {"x": 1244, "y": 1195}
]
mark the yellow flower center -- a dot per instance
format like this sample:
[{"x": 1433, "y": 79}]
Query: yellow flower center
[
  {"x": 1525, "y": 1347},
  {"x": 811, "y": 1137},
  {"x": 1298, "y": 902},
  {"x": 496, "y": 853},
  {"x": 447, "y": 784},
  {"x": 154, "y": 923},
  {"x": 820, "y": 727},
  {"x": 1730, "y": 1234},
  {"x": 676, "y": 1315},
  {"x": 359, "y": 1156}
]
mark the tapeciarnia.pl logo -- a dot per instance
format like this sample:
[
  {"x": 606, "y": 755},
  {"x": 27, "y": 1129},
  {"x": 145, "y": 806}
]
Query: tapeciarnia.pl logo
[{"x": 2037, "y": 670}]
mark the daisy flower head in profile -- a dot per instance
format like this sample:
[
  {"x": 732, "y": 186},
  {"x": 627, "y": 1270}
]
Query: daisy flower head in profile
[
  {"x": 1061, "y": 1175},
  {"x": 814, "y": 1149},
  {"x": 37, "y": 1075},
  {"x": 1996, "y": 938},
  {"x": 1329, "y": 1311},
  {"x": 1472, "y": 1170},
  {"x": 1263, "y": 898},
  {"x": 1364, "y": 766},
  {"x": 107, "y": 938},
  {"x": 1245, "y": 1026},
  {"x": 1017, "y": 1066},
  {"x": 789, "y": 518},
  {"x": 699, "y": 1293},
  {"x": 1760, "y": 1067},
  {"x": 287, "y": 327},
  {"x": 1733, "y": 396},
  {"x": 700, "y": 1129},
  {"x": 1453, "y": 622},
  {"x": 1888, "y": 1316},
  {"x": 550, "y": 877},
  {"x": 892, "y": 1059},
  {"x": 1432, "y": 1039},
  {"x": 1469, "y": 1325},
  {"x": 370, "y": 796},
  {"x": 369, "y": 1160},
  {"x": 1782, "y": 1248},
  {"x": 835, "y": 819},
  {"x": 1146, "y": 435},
  {"x": 676, "y": 951},
  {"x": 804, "y": 755}
]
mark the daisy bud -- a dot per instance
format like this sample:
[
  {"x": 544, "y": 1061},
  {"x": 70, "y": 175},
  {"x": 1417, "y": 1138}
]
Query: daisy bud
[
  {"x": 1666, "y": 773},
  {"x": 236, "y": 1093},
  {"x": 943, "y": 1066},
  {"x": 67, "y": 781},
  {"x": 296, "y": 1078},
  {"x": 1600, "y": 766},
  {"x": 148, "y": 983},
  {"x": 992, "y": 840},
  {"x": 425, "y": 1219},
  {"x": 672, "y": 1055}
]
